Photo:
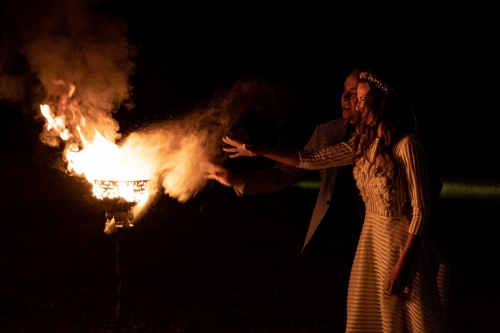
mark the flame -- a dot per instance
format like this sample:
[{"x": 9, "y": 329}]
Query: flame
[
  {"x": 131, "y": 191},
  {"x": 101, "y": 159},
  {"x": 174, "y": 154},
  {"x": 98, "y": 160},
  {"x": 53, "y": 122}
]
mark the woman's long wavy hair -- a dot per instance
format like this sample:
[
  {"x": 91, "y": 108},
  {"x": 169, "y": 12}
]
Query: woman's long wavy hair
[{"x": 398, "y": 120}]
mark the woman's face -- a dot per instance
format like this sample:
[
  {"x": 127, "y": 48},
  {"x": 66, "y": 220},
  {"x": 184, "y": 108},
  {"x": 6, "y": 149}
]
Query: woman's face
[{"x": 363, "y": 89}]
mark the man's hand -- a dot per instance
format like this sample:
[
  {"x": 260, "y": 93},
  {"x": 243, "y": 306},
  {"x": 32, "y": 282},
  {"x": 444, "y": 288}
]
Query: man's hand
[{"x": 223, "y": 176}]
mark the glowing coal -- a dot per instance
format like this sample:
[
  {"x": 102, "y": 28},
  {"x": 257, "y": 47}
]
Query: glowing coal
[{"x": 119, "y": 198}]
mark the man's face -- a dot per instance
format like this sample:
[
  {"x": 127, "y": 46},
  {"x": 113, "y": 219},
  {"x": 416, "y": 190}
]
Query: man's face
[{"x": 349, "y": 97}]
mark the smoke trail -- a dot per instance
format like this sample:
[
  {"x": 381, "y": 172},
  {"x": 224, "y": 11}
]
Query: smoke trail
[
  {"x": 82, "y": 62},
  {"x": 68, "y": 42},
  {"x": 178, "y": 151}
]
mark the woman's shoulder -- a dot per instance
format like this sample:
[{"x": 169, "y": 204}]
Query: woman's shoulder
[{"x": 408, "y": 141}]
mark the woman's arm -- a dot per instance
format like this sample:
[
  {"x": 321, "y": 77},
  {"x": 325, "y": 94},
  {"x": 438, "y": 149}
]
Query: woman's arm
[
  {"x": 288, "y": 157},
  {"x": 400, "y": 273},
  {"x": 411, "y": 154},
  {"x": 332, "y": 156},
  {"x": 224, "y": 176}
]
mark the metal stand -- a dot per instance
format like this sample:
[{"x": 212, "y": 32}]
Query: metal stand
[
  {"x": 121, "y": 215},
  {"x": 119, "y": 280},
  {"x": 119, "y": 197}
]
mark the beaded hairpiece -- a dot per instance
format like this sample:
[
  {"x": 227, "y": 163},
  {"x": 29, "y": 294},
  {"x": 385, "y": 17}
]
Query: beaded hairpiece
[{"x": 376, "y": 82}]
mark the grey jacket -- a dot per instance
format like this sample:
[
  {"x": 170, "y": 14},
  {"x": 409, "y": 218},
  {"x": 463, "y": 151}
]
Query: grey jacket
[{"x": 281, "y": 176}]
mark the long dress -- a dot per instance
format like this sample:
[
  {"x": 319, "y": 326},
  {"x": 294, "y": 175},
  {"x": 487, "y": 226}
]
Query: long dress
[{"x": 421, "y": 307}]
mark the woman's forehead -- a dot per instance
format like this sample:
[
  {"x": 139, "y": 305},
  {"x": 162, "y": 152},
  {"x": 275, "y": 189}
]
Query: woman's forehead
[{"x": 363, "y": 87}]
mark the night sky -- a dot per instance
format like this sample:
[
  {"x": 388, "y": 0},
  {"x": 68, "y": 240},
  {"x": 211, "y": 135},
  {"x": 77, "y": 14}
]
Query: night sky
[{"x": 443, "y": 56}]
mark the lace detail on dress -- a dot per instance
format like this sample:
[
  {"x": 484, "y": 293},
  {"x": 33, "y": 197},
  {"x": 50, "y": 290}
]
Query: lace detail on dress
[{"x": 378, "y": 192}]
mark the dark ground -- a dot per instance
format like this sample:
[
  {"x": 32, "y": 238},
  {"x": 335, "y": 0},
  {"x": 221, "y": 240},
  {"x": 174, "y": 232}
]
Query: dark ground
[{"x": 218, "y": 263}]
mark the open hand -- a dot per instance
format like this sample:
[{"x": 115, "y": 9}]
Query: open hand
[
  {"x": 223, "y": 176},
  {"x": 239, "y": 148}
]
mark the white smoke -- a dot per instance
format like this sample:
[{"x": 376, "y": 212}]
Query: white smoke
[{"x": 82, "y": 61}]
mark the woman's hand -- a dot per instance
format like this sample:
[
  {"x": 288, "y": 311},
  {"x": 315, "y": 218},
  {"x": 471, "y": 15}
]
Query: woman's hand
[
  {"x": 400, "y": 274},
  {"x": 398, "y": 279},
  {"x": 288, "y": 157},
  {"x": 239, "y": 148}
]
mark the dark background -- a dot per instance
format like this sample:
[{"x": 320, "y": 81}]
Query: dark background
[
  {"x": 443, "y": 56},
  {"x": 220, "y": 263}
]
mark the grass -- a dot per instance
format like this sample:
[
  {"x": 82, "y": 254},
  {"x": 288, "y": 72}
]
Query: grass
[{"x": 461, "y": 189}]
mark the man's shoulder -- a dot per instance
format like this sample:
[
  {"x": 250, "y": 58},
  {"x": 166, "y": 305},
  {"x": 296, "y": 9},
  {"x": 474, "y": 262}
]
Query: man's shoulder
[
  {"x": 337, "y": 122},
  {"x": 327, "y": 134}
]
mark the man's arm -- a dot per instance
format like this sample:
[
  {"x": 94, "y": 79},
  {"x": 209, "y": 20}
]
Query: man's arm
[
  {"x": 270, "y": 180},
  {"x": 259, "y": 182},
  {"x": 277, "y": 177}
]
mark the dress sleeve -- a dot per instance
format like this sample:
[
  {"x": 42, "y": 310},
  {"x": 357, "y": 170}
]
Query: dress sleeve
[
  {"x": 414, "y": 160},
  {"x": 332, "y": 156}
]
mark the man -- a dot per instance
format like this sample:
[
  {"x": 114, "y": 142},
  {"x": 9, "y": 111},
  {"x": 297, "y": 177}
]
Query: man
[{"x": 339, "y": 208}]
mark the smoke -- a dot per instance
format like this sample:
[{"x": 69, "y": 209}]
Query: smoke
[
  {"x": 179, "y": 152},
  {"x": 62, "y": 43},
  {"x": 81, "y": 62}
]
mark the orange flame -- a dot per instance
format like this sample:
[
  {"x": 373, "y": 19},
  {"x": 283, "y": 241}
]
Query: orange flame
[
  {"x": 172, "y": 155},
  {"x": 89, "y": 154},
  {"x": 99, "y": 159}
]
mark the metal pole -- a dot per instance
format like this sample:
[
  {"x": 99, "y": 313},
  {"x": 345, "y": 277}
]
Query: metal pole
[{"x": 119, "y": 281}]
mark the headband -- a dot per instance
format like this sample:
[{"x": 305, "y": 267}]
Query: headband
[{"x": 376, "y": 82}]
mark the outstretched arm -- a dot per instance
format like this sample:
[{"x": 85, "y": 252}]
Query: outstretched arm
[
  {"x": 288, "y": 157},
  {"x": 332, "y": 156},
  {"x": 224, "y": 176}
]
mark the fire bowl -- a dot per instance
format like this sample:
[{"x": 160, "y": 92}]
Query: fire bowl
[
  {"x": 118, "y": 198},
  {"x": 130, "y": 191}
]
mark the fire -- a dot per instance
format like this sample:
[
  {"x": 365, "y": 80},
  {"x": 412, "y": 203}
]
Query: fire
[
  {"x": 101, "y": 159},
  {"x": 113, "y": 171},
  {"x": 131, "y": 191},
  {"x": 172, "y": 155},
  {"x": 53, "y": 122}
]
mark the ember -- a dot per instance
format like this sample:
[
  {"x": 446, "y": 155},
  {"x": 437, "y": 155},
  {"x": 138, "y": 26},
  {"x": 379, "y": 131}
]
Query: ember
[
  {"x": 131, "y": 191},
  {"x": 119, "y": 197}
]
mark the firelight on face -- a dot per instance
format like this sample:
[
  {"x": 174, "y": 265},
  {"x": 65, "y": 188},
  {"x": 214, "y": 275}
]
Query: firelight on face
[{"x": 363, "y": 89}]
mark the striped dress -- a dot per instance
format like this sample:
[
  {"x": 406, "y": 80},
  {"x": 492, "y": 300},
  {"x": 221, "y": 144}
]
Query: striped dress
[{"x": 421, "y": 307}]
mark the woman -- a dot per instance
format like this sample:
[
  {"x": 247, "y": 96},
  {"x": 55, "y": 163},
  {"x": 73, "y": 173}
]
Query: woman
[{"x": 399, "y": 281}]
